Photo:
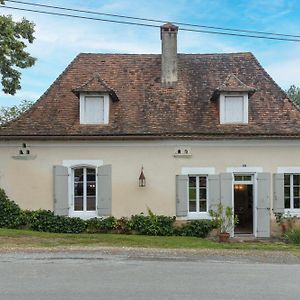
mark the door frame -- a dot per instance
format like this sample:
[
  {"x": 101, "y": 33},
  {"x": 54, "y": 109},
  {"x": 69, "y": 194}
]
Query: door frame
[
  {"x": 247, "y": 171},
  {"x": 251, "y": 182}
]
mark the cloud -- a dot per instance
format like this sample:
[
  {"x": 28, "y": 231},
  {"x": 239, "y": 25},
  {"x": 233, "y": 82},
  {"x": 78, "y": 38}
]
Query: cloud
[{"x": 286, "y": 72}]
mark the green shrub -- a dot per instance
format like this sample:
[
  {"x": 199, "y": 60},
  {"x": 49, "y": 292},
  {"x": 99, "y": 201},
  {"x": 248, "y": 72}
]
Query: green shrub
[
  {"x": 294, "y": 236},
  {"x": 197, "y": 228},
  {"x": 152, "y": 224},
  {"x": 122, "y": 225},
  {"x": 45, "y": 220},
  {"x": 102, "y": 225},
  {"x": 11, "y": 215}
]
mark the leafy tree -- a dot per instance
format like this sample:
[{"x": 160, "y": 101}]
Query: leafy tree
[
  {"x": 13, "y": 56},
  {"x": 10, "y": 113},
  {"x": 294, "y": 94}
]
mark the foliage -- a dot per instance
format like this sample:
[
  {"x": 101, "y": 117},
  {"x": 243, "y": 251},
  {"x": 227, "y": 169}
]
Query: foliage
[
  {"x": 223, "y": 218},
  {"x": 11, "y": 216},
  {"x": 197, "y": 228},
  {"x": 294, "y": 94},
  {"x": 122, "y": 225},
  {"x": 45, "y": 220},
  {"x": 10, "y": 213},
  {"x": 152, "y": 224},
  {"x": 13, "y": 56},
  {"x": 293, "y": 236},
  {"x": 100, "y": 225},
  {"x": 10, "y": 113}
]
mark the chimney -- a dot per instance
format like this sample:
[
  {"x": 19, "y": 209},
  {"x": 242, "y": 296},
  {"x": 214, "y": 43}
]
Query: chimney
[{"x": 168, "y": 35}]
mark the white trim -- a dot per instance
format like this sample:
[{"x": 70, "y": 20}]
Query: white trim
[
  {"x": 198, "y": 216},
  {"x": 197, "y": 171},
  {"x": 82, "y": 162},
  {"x": 105, "y": 107},
  {"x": 222, "y": 106},
  {"x": 158, "y": 143},
  {"x": 244, "y": 170},
  {"x": 294, "y": 212},
  {"x": 251, "y": 171},
  {"x": 70, "y": 164},
  {"x": 289, "y": 170}
]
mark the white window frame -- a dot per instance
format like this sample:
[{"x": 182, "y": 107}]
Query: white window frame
[
  {"x": 105, "y": 108},
  {"x": 290, "y": 171},
  {"x": 199, "y": 171},
  {"x": 222, "y": 107},
  {"x": 71, "y": 164}
]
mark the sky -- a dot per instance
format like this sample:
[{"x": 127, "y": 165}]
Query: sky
[{"x": 60, "y": 39}]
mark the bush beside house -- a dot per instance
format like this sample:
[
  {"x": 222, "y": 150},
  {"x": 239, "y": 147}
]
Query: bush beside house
[{"x": 12, "y": 216}]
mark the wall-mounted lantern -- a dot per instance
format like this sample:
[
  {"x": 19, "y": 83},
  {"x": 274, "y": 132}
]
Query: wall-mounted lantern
[{"x": 142, "y": 178}]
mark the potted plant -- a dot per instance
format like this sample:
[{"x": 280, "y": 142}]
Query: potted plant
[{"x": 224, "y": 220}]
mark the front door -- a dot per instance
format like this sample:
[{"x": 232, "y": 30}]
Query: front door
[{"x": 243, "y": 203}]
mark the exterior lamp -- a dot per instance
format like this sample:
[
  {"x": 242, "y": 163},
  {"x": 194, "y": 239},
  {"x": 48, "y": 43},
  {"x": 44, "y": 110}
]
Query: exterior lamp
[{"x": 142, "y": 178}]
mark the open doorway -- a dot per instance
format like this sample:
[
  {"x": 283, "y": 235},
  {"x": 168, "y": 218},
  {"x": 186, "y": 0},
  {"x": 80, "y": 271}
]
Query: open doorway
[{"x": 243, "y": 204}]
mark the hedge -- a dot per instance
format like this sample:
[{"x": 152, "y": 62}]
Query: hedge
[{"x": 12, "y": 216}]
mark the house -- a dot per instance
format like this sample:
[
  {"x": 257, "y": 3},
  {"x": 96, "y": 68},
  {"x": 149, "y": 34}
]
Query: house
[{"x": 116, "y": 134}]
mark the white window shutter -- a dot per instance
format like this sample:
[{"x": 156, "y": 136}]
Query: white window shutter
[
  {"x": 104, "y": 190},
  {"x": 234, "y": 109},
  {"x": 94, "y": 109},
  {"x": 61, "y": 193},
  {"x": 278, "y": 197},
  {"x": 182, "y": 195},
  {"x": 226, "y": 189},
  {"x": 263, "y": 205},
  {"x": 213, "y": 191}
]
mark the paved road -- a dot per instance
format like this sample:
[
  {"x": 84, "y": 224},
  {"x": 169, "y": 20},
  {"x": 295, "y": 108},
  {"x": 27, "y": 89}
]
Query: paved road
[{"x": 101, "y": 275}]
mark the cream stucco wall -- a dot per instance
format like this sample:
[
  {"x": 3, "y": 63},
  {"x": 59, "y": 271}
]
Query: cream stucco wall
[{"x": 30, "y": 182}]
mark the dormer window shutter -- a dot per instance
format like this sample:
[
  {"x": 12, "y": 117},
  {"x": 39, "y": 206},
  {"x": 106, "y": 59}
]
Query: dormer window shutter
[{"x": 95, "y": 97}]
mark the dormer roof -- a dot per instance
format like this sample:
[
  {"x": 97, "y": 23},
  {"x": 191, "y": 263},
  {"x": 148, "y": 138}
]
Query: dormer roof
[
  {"x": 96, "y": 85},
  {"x": 233, "y": 84}
]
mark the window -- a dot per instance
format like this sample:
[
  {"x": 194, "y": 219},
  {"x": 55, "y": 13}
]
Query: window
[
  {"x": 94, "y": 109},
  {"x": 233, "y": 108},
  {"x": 197, "y": 194},
  {"x": 292, "y": 191},
  {"x": 84, "y": 184}
]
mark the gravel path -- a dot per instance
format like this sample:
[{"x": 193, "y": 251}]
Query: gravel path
[{"x": 151, "y": 254}]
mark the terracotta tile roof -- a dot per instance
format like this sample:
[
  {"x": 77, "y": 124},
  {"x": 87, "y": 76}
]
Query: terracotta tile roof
[
  {"x": 96, "y": 85},
  {"x": 146, "y": 109}
]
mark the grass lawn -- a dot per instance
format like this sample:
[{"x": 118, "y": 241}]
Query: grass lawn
[{"x": 22, "y": 239}]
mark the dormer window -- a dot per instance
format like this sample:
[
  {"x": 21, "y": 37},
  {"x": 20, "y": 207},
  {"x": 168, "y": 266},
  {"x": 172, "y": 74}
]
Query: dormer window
[
  {"x": 233, "y": 108},
  {"x": 233, "y": 96},
  {"x": 94, "y": 108}
]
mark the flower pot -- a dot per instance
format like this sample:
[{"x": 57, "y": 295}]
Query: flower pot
[{"x": 224, "y": 237}]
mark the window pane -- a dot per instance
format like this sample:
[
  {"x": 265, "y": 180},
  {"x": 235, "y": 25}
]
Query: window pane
[
  {"x": 286, "y": 179},
  {"x": 192, "y": 193},
  {"x": 296, "y": 180},
  {"x": 192, "y": 205},
  {"x": 202, "y": 181},
  {"x": 78, "y": 203},
  {"x": 202, "y": 194},
  {"x": 91, "y": 182},
  {"x": 238, "y": 177},
  {"x": 192, "y": 181},
  {"x": 202, "y": 206},
  {"x": 287, "y": 192},
  {"x": 287, "y": 203},
  {"x": 296, "y": 192},
  {"x": 78, "y": 182},
  {"x": 91, "y": 203},
  {"x": 297, "y": 202}
]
